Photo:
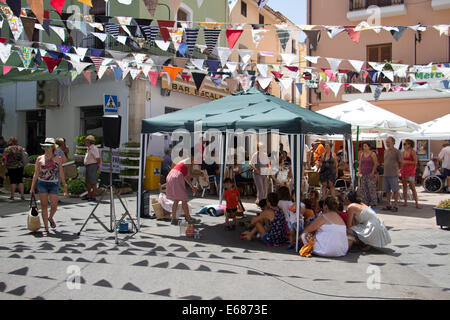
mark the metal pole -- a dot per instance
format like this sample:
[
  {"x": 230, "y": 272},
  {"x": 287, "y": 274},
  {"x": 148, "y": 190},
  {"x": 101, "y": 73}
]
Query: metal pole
[
  {"x": 140, "y": 183},
  {"x": 224, "y": 145},
  {"x": 356, "y": 154},
  {"x": 298, "y": 187}
]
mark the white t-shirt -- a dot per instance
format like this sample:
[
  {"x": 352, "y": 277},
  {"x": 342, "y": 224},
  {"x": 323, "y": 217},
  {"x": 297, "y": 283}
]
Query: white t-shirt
[
  {"x": 290, "y": 216},
  {"x": 444, "y": 156},
  {"x": 429, "y": 168}
]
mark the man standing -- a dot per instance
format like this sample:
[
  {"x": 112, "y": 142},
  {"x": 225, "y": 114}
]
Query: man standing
[
  {"x": 444, "y": 156},
  {"x": 392, "y": 163},
  {"x": 92, "y": 164}
]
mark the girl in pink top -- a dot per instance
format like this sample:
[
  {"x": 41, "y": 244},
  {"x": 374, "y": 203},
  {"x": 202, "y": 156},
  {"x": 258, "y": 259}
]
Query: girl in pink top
[{"x": 408, "y": 172}]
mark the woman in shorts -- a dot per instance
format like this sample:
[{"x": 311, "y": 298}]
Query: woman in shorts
[{"x": 408, "y": 172}]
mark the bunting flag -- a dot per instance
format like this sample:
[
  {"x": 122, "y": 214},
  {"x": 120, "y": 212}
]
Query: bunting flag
[
  {"x": 16, "y": 27},
  {"x": 151, "y": 6},
  {"x": 325, "y": 88},
  {"x": 213, "y": 65},
  {"x": 360, "y": 87},
  {"x": 334, "y": 31},
  {"x": 217, "y": 81},
  {"x": 172, "y": 71},
  {"x": 231, "y": 4},
  {"x": 182, "y": 49},
  {"x": 88, "y": 2},
  {"x": 198, "y": 63},
  {"x": 263, "y": 70},
  {"x": 117, "y": 72},
  {"x": 357, "y": 64},
  {"x": 191, "y": 36},
  {"x": 299, "y": 87},
  {"x": 97, "y": 62},
  {"x": 277, "y": 75},
  {"x": 313, "y": 37},
  {"x": 245, "y": 55},
  {"x": 291, "y": 68},
  {"x": 15, "y": 6},
  {"x": 51, "y": 63},
  {"x": 87, "y": 75},
  {"x": 233, "y": 36},
  {"x": 257, "y": 36},
  {"x": 153, "y": 77},
  {"x": 288, "y": 58},
  {"x": 6, "y": 69},
  {"x": 174, "y": 5},
  {"x": 398, "y": 34},
  {"x": 26, "y": 55},
  {"x": 334, "y": 63},
  {"x": 176, "y": 35},
  {"x": 58, "y": 5},
  {"x": 101, "y": 71},
  {"x": 163, "y": 28},
  {"x": 311, "y": 59},
  {"x": 224, "y": 54},
  {"x": 400, "y": 70},
  {"x": 37, "y": 7},
  {"x": 264, "y": 82},
  {"x": 443, "y": 29},
  {"x": 389, "y": 75},
  {"x": 211, "y": 37},
  {"x": 186, "y": 77},
  {"x": 28, "y": 26},
  {"x": 79, "y": 66},
  {"x": 354, "y": 35},
  {"x": 262, "y": 3},
  {"x": 112, "y": 29},
  {"x": 245, "y": 81},
  {"x": 5, "y": 52},
  {"x": 150, "y": 33},
  {"x": 283, "y": 36},
  {"x": 377, "y": 66},
  {"x": 134, "y": 73},
  {"x": 180, "y": 62},
  {"x": 198, "y": 79},
  {"x": 101, "y": 36},
  {"x": 286, "y": 83},
  {"x": 232, "y": 66},
  {"x": 162, "y": 44},
  {"x": 99, "y": 52}
]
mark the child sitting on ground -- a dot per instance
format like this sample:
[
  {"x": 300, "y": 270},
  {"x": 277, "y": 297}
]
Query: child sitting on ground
[
  {"x": 231, "y": 196},
  {"x": 289, "y": 208},
  {"x": 309, "y": 212}
]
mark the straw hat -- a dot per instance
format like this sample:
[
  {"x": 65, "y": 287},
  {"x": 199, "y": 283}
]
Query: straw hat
[
  {"x": 48, "y": 142},
  {"x": 90, "y": 138}
]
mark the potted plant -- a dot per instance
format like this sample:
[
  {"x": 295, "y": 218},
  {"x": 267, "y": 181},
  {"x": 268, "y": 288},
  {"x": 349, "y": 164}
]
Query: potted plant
[{"x": 442, "y": 211}]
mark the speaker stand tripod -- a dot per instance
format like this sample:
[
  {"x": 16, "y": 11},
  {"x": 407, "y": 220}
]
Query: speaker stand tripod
[{"x": 112, "y": 221}]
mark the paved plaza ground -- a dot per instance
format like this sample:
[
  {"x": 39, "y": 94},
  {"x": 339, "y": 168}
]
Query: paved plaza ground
[{"x": 157, "y": 263}]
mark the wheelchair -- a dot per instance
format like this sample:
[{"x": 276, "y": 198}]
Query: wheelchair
[{"x": 433, "y": 183}]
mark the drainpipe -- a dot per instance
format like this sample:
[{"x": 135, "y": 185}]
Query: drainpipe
[{"x": 309, "y": 51}]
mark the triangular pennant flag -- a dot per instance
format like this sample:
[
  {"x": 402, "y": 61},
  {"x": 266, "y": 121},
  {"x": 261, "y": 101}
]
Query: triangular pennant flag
[
  {"x": 81, "y": 52},
  {"x": 198, "y": 79},
  {"x": 245, "y": 55},
  {"x": 286, "y": 83},
  {"x": 134, "y": 73},
  {"x": 176, "y": 35},
  {"x": 191, "y": 36},
  {"x": 334, "y": 86},
  {"x": 153, "y": 77},
  {"x": 28, "y": 26},
  {"x": 245, "y": 81},
  {"x": 182, "y": 49},
  {"x": 299, "y": 87},
  {"x": 443, "y": 29},
  {"x": 117, "y": 72},
  {"x": 257, "y": 36},
  {"x": 51, "y": 64},
  {"x": 61, "y": 32},
  {"x": 224, "y": 54},
  {"x": 163, "y": 28},
  {"x": 87, "y": 75},
  {"x": 262, "y": 3},
  {"x": 99, "y": 52},
  {"x": 311, "y": 59},
  {"x": 360, "y": 87},
  {"x": 400, "y": 70},
  {"x": 162, "y": 44},
  {"x": 198, "y": 63},
  {"x": 263, "y": 70},
  {"x": 232, "y": 66},
  {"x": 334, "y": 63},
  {"x": 389, "y": 75},
  {"x": 398, "y": 34},
  {"x": 377, "y": 92},
  {"x": 97, "y": 62},
  {"x": 277, "y": 75},
  {"x": 264, "y": 82},
  {"x": 231, "y": 4},
  {"x": 6, "y": 69},
  {"x": 172, "y": 71},
  {"x": 217, "y": 81},
  {"x": 88, "y": 2},
  {"x": 213, "y": 65},
  {"x": 186, "y": 77},
  {"x": 112, "y": 29},
  {"x": 54, "y": 54},
  {"x": 357, "y": 64},
  {"x": 101, "y": 71},
  {"x": 5, "y": 52},
  {"x": 377, "y": 65},
  {"x": 233, "y": 36},
  {"x": 151, "y": 6},
  {"x": 101, "y": 36},
  {"x": 64, "y": 49},
  {"x": 291, "y": 68},
  {"x": 122, "y": 39},
  {"x": 288, "y": 58},
  {"x": 26, "y": 55},
  {"x": 180, "y": 62},
  {"x": 46, "y": 26},
  {"x": 79, "y": 66},
  {"x": 58, "y": 5},
  {"x": 313, "y": 37},
  {"x": 15, "y": 6},
  {"x": 334, "y": 31},
  {"x": 174, "y": 5},
  {"x": 37, "y": 7},
  {"x": 325, "y": 88},
  {"x": 211, "y": 37},
  {"x": 283, "y": 36},
  {"x": 150, "y": 33},
  {"x": 16, "y": 26},
  {"x": 354, "y": 35}
]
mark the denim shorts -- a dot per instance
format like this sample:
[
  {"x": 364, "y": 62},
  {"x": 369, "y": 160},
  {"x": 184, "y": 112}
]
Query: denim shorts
[
  {"x": 47, "y": 187},
  {"x": 413, "y": 179},
  {"x": 390, "y": 183}
]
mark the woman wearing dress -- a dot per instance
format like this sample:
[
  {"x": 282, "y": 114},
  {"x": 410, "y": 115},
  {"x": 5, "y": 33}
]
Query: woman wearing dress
[
  {"x": 364, "y": 223},
  {"x": 176, "y": 189},
  {"x": 328, "y": 170},
  {"x": 330, "y": 232},
  {"x": 368, "y": 182},
  {"x": 48, "y": 172},
  {"x": 408, "y": 172}
]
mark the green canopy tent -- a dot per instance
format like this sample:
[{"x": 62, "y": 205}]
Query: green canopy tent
[{"x": 250, "y": 110}]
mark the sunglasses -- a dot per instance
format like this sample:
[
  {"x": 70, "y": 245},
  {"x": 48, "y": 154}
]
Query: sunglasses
[{"x": 46, "y": 147}]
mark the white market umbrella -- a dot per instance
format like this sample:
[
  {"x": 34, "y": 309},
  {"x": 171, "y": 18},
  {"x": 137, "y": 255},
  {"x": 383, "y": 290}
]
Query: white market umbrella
[{"x": 437, "y": 129}]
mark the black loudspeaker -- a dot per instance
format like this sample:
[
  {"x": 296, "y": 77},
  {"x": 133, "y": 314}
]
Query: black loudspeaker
[{"x": 111, "y": 131}]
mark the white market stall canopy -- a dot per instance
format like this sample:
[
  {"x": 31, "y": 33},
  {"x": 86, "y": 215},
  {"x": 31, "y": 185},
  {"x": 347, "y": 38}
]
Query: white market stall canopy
[
  {"x": 437, "y": 129},
  {"x": 368, "y": 117}
]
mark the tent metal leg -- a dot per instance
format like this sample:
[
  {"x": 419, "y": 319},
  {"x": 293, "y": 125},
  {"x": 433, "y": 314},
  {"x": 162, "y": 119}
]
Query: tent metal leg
[
  {"x": 143, "y": 152},
  {"x": 299, "y": 164},
  {"x": 224, "y": 146}
]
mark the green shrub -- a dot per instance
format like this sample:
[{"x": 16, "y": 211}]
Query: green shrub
[
  {"x": 76, "y": 186},
  {"x": 132, "y": 144},
  {"x": 130, "y": 172},
  {"x": 28, "y": 170},
  {"x": 445, "y": 204},
  {"x": 32, "y": 158}
]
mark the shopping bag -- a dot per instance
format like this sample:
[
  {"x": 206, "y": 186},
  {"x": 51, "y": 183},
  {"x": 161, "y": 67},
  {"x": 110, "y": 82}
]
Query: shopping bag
[{"x": 33, "y": 220}]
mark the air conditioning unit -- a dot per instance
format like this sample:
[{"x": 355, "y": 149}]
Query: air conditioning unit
[{"x": 47, "y": 94}]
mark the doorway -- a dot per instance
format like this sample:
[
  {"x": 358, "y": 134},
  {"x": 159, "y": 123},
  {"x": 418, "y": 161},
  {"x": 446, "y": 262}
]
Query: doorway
[{"x": 35, "y": 124}]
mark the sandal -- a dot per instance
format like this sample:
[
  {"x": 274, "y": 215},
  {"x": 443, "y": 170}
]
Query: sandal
[
  {"x": 52, "y": 223},
  {"x": 394, "y": 209},
  {"x": 387, "y": 208},
  {"x": 45, "y": 233}
]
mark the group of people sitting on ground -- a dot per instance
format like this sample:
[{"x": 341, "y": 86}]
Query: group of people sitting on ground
[{"x": 324, "y": 224}]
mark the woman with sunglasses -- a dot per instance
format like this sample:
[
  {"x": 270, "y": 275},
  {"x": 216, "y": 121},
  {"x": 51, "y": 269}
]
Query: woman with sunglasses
[{"x": 48, "y": 173}]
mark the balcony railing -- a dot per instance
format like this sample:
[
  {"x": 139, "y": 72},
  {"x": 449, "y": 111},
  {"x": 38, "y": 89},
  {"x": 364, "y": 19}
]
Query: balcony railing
[{"x": 364, "y": 4}]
